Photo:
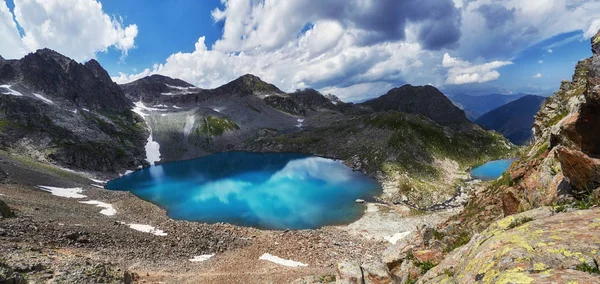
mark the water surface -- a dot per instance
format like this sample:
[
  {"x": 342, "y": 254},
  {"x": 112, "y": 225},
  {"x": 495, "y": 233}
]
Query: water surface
[
  {"x": 270, "y": 191},
  {"x": 492, "y": 170}
]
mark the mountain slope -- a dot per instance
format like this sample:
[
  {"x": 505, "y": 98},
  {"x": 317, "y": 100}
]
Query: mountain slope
[
  {"x": 423, "y": 100},
  {"x": 476, "y": 106},
  {"x": 55, "y": 109},
  {"x": 515, "y": 119}
]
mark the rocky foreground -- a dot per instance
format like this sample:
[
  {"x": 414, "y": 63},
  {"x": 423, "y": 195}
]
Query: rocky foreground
[{"x": 538, "y": 223}]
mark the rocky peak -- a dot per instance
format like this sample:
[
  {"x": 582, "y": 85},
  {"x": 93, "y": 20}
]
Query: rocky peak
[
  {"x": 98, "y": 72},
  {"x": 160, "y": 79},
  {"x": 312, "y": 99},
  {"x": 333, "y": 98},
  {"x": 596, "y": 43},
  {"x": 249, "y": 85},
  {"x": 423, "y": 100},
  {"x": 49, "y": 54},
  {"x": 56, "y": 76}
]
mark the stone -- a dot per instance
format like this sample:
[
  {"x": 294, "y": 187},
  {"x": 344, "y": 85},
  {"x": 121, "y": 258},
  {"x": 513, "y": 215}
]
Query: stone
[
  {"x": 130, "y": 277},
  {"x": 434, "y": 256},
  {"x": 596, "y": 43},
  {"x": 5, "y": 211},
  {"x": 396, "y": 253},
  {"x": 546, "y": 248},
  {"x": 582, "y": 171},
  {"x": 510, "y": 203},
  {"x": 349, "y": 273},
  {"x": 376, "y": 273}
]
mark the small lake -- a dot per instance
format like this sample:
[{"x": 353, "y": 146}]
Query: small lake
[
  {"x": 267, "y": 191},
  {"x": 491, "y": 170}
]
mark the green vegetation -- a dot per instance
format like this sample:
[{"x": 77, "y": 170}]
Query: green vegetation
[
  {"x": 214, "y": 126},
  {"x": 504, "y": 180},
  {"x": 558, "y": 117},
  {"x": 327, "y": 278},
  {"x": 424, "y": 266},
  {"x": 588, "y": 268},
  {"x": 462, "y": 239},
  {"x": 518, "y": 222},
  {"x": 560, "y": 209},
  {"x": 32, "y": 164}
]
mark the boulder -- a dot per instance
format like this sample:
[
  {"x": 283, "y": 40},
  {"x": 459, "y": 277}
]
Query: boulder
[
  {"x": 5, "y": 211},
  {"x": 349, "y": 273},
  {"x": 510, "y": 203},
  {"x": 376, "y": 273},
  {"x": 582, "y": 171},
  {"x": 536, "y": 246}
]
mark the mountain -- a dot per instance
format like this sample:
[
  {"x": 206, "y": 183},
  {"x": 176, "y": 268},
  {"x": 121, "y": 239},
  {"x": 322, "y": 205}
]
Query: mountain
[
  {"x": 515, "y": 119},
  {"x": 422, "y": 100},
  {"x": 476, "y": 106},
  {"x": 72, "y": 114},
  {"x": 158, "y": 89},
  {"x": 62, "y": 111},
  {"x": 542, "y": 214}
]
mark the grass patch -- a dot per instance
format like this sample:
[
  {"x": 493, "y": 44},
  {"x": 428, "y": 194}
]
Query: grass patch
[
  {"x": 463, "y": 238},
  {"x": 558, "y": 117},
  {"x": 588, "y": 268},
  {"x": 518, "y": 222},
  {"x": 504, "y": 180},
  {"x": 214, "y": 126},
  {"x": 560, "y": 209},
  {"x": 31, "y": 164},
  {"x": 326, "y": 278},
  {"x": 424, "y": 266}
]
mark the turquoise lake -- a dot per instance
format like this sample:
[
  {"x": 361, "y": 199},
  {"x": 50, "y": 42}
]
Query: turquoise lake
[
  {"x": 267, "y": 191},
  {"x": 491, "y": 170}
]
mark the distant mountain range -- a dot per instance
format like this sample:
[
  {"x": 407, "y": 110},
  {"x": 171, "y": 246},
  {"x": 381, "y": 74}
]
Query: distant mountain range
[
  {"x": 476, "y": 106},
  {"x": 514, "y": 119},
  {"x": 74, "y": 115}
]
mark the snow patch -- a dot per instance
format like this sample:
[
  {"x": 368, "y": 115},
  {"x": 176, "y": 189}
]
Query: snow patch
[
  {"x": 97, "y": 185},
  {"x": 147, "y": 229},
  {"x": 46, "y": 100},
  {"x": 152, "y": 147},
  {"x": 98, "y": 181},
  {"x": 11, "y": 91},
  {"x": 217, "y": 110},
  {"x": 180, "y": 88},
  {"x": 300, "y": 121},
  {"x": 281, "y": 261},
  {"x": 85, "y": 109},
  {"x": 393, "y": 239},
  {"x": 108, "y": 210},
  {"x": 189, "y": 124},
  {"x": 126, "y": 173},
  {"x": 201, "y": 258},
  {"x": 64, "y": 192},
  {"x": 174, "y": 106}
]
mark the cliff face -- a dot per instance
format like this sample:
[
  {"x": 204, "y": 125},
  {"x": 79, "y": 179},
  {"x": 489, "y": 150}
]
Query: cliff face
[
  {"x": 55, "y": 109},
  {"x": 532, "y": 224}
]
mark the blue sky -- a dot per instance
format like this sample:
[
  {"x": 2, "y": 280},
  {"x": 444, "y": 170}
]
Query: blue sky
[
  {"x": 354, "y": 49},
  {"x": 165, "y": 27}
]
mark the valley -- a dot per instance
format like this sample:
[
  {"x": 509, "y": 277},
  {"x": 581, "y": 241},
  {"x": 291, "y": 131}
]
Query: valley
[{"x": 67, "y": 129}]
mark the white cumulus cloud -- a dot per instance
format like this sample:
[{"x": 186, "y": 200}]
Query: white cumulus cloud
[
  {"x": 463, "y": 72},
  {"x": 537, "y": 76},
  {"x": 76, "y": 28}
]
